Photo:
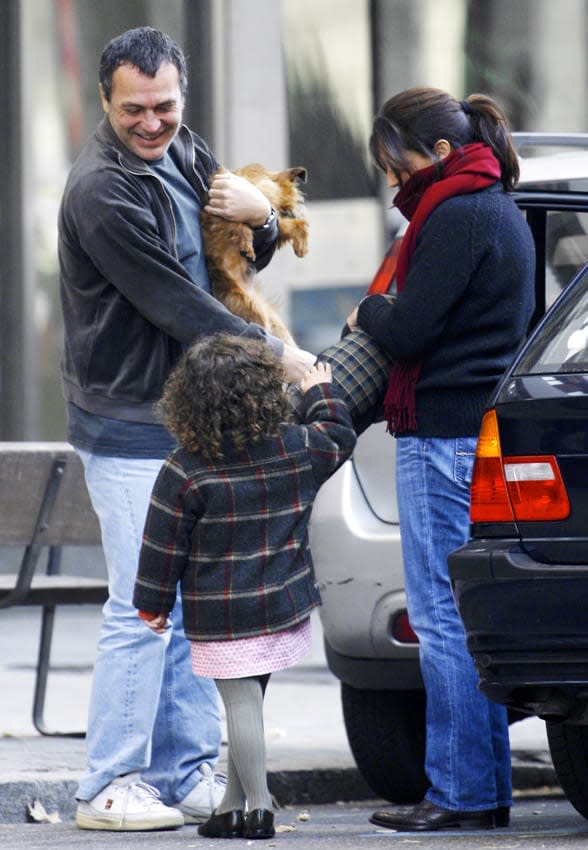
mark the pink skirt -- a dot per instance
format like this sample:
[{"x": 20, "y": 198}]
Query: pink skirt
[{"x": 254, "y": 656}]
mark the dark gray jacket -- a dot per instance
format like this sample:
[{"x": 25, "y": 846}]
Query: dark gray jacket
[{"x": 129, "y": 306}]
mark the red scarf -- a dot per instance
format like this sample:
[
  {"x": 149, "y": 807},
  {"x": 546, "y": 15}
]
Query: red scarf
[{"x": 467, "y": 169}]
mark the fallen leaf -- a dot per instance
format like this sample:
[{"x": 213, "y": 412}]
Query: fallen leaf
[{"x": 38, "y": 813}]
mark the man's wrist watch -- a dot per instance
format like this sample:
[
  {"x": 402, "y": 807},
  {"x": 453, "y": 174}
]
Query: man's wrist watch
[{"x": 268, "y": 222}]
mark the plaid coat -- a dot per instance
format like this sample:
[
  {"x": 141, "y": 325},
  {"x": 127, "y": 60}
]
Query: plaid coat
[
  {"x": 360, "y": 373},
  {"x": 234, "y": 532}
]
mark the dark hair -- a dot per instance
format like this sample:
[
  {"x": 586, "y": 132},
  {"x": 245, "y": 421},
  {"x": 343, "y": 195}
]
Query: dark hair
[
  {"x": 224, "y": 385},
  {"x": 144, "y": 48},
  {"x": 417, "y": 118}
]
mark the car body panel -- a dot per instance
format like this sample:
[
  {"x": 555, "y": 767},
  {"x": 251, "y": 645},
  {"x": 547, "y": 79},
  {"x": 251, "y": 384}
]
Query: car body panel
[
  {"x": 522, "y": 590},
  {"x": 355, "y": 514}
]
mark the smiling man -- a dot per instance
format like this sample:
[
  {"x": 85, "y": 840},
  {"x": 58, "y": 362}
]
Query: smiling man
[
  {"x": 135, "y": 295},
  {"x": 144, "y": 112}
]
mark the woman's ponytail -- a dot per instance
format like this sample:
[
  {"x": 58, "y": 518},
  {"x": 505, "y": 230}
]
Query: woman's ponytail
[
  {"x": 416, "y": 118},
  {"x": 489, "y": 125}
]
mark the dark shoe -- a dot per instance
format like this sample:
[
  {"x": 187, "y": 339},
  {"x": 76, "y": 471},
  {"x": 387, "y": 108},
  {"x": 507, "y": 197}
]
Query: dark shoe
[
  {"x": 224, "y": 825},
  {"x": 502, "y": 816},
  {"x": 259, "y": 823},
  {"x": 426, "y": 817}
]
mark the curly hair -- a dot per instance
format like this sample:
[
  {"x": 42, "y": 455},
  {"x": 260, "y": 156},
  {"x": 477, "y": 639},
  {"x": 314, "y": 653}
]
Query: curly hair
[{"x": 224, "y": 386}]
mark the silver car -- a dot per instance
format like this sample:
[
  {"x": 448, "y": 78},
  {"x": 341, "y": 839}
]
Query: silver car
[{"x": 355, "y": 535}]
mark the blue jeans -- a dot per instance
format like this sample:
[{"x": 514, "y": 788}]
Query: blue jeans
[
  {"x": 148, "y": 711},
  {"x": 467, "y": 745}
]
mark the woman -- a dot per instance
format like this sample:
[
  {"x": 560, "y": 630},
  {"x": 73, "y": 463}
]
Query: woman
[{"x": 465, "y": 295}]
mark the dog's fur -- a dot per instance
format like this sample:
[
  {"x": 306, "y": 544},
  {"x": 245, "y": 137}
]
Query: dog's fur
[{"x": 228, "y": 247}]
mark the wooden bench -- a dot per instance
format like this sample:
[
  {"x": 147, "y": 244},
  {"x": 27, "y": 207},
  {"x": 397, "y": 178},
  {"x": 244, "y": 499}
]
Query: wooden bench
[{"x": 44, "y": 506}]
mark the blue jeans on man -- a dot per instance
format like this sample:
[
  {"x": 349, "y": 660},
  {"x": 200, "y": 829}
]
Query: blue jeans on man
[{"x": 148, "y": 711}]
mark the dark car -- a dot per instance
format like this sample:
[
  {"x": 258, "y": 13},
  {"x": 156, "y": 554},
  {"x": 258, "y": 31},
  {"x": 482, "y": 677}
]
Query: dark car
[
  {"x": 369, "y": 644},
  {"x": 521, "y": 582}
]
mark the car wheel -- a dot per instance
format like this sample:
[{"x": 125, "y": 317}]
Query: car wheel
[
  {"x": 386, "y": 733},
  {"x": 568, "y": 744}
]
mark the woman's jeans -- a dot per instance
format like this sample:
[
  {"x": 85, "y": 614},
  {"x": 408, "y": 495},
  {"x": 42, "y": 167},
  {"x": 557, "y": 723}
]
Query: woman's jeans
[
  {"x": 148, "y": 711},
  {"x": 467, "y": 751}
]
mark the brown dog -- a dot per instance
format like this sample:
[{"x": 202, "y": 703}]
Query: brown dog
[{"x": 230, "y": 256}]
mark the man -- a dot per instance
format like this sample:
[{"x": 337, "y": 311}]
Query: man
[{"x": 135, "y": 294}]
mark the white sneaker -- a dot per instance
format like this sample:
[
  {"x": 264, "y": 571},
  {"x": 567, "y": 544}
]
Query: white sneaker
[
  {"x": 127, "y": 804},
  {"x": 199, "y": 804}
]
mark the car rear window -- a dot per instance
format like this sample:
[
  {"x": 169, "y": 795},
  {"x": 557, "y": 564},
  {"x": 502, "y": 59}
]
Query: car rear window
[
  {"x": 561, "y": 343},
  {"x": 566, "y": 249}
]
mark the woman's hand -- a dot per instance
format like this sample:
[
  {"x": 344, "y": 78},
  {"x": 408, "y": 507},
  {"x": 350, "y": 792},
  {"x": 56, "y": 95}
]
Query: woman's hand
[
  {"x": 318, "y": 374},
  {"x": 351, "y": 320},
  {"x": 236, "y": 199}
]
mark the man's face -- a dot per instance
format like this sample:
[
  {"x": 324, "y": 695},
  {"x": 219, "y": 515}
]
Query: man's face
[{"x": 145, "y": 112}]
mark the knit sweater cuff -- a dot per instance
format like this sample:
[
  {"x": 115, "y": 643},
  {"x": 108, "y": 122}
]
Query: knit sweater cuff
[{"x": 372, "y": 313}]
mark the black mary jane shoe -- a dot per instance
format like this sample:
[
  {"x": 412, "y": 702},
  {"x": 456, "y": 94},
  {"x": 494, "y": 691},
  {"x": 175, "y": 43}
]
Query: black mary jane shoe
[
  {"x": 426, "y": 817},
  {"x": 259, "y": 823},
  {"x": 224, "y": 825}
]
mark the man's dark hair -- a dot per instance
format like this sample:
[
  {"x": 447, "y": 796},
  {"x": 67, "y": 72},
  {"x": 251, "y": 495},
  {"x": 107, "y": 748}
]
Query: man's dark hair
[{"x": 144, "y": 48}]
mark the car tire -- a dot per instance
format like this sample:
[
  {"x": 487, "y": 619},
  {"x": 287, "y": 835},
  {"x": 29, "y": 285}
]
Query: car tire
[
  {"x": 386, "y": 733},
  {"x": 568, "y": 745}
]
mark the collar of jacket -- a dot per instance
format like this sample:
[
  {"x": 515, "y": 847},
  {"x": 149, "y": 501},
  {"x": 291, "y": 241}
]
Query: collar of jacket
[{"x": 183, "y": 141}]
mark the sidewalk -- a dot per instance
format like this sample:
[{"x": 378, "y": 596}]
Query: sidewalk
[{"x": 309, "y": 760}]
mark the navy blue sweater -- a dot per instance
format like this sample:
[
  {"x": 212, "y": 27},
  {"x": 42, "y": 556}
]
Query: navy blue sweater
[{"x": 464, "y": 309}]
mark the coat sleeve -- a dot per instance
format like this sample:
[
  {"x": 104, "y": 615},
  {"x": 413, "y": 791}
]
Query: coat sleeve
[
  {"x": 329, "y": 435},
  {"x": 122, "y": 239},
  {"x": 446, "y": 255},
  {"x": 171, "y": 518}
]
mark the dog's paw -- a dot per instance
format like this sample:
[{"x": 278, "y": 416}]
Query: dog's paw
[
  {"x": 300, "y": 238},
  {"x": 244, "y": 240},
  {"x": 295, "y": 231}
]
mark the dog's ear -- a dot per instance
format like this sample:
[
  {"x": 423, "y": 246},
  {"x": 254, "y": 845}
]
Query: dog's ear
[{"x": 298, "y": 173}]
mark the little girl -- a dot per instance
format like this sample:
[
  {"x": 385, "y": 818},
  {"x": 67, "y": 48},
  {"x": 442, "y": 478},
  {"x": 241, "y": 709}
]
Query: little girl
[{"x": 229, "y": 520}]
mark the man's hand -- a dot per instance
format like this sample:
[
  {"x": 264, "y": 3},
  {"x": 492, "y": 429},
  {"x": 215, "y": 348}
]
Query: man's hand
[
  {"x": 319, "y": 374},
  {"x": 296, "y": 363},
  {"x": 236, "y": 199}
]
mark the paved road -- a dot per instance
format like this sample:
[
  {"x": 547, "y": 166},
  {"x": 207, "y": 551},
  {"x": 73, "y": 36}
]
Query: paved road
[
  {"x": 545, "y": 823},
  {"x": 309, "y": 760}
]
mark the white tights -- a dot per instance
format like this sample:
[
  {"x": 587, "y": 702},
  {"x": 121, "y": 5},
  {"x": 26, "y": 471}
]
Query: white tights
[{"x": 247, "y": 770}]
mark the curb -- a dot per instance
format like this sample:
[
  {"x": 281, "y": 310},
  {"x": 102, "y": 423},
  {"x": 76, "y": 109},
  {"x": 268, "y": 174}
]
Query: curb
[{"x": 298, "y": 787}]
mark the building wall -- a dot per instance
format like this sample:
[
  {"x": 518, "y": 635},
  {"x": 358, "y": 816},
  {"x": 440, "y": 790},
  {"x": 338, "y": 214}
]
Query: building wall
[{"x": 252, "y": 102}]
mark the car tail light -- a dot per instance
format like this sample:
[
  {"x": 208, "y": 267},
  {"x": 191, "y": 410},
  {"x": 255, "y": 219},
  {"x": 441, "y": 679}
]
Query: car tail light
[
  {"x": 536, "y": 489},
  {"x": 489, "y": 496},
  {"x": 402, "y": 631},
  {"x": 511, "y": 489}
]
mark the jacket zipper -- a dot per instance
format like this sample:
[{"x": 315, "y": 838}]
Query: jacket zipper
[
  {"x": 147, "y": 173},
  {"x": 150, "y": 174}
]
